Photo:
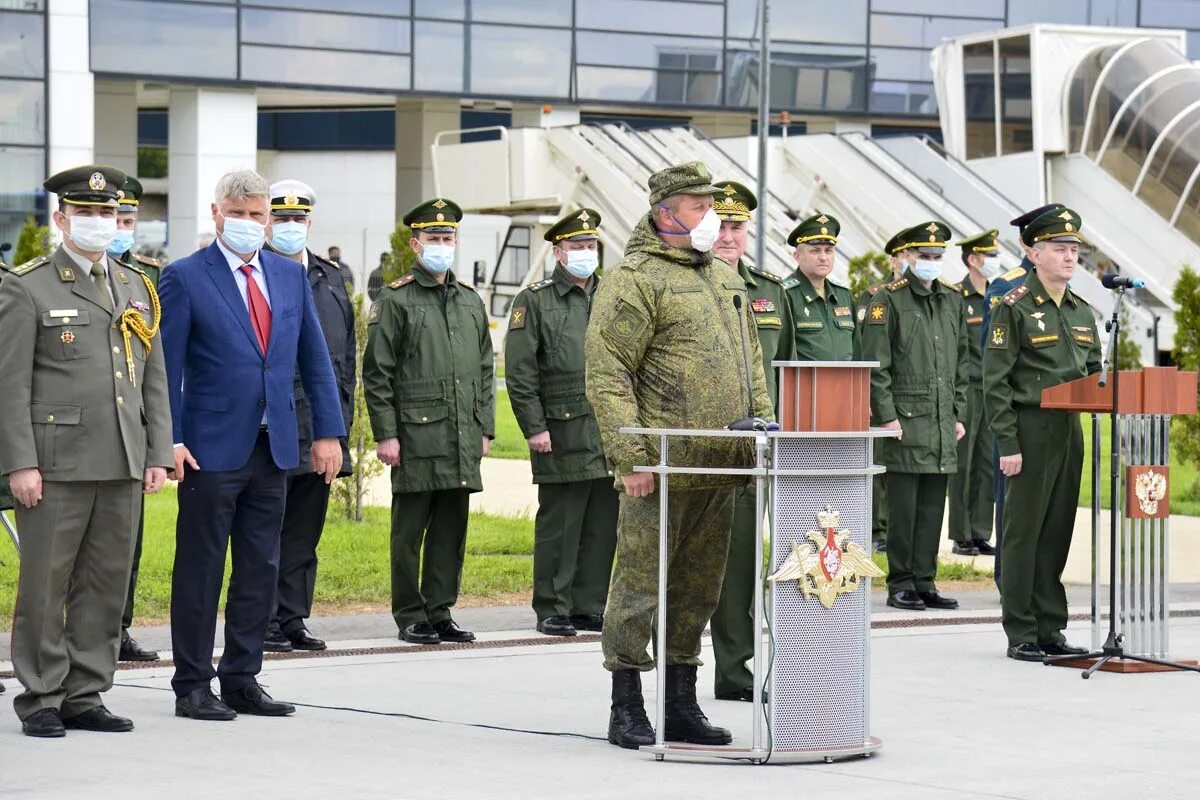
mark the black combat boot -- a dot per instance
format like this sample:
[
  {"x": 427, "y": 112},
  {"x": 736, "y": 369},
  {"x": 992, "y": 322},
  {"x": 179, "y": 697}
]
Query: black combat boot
[
  {"x": 628, "y": 725},
  {"x": 685, "y": 721}
]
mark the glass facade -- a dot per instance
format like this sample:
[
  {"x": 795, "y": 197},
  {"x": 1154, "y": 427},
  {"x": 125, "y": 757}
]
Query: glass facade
[
  {"x": 22, "y": 115},
  {"x": 866, "y": 57}
]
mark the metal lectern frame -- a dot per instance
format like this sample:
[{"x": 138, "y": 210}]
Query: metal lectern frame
[{"x": 763, "y": 445}]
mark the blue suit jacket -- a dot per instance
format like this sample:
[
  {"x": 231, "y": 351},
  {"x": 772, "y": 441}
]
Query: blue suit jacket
[{"x": 219, "y": 382}]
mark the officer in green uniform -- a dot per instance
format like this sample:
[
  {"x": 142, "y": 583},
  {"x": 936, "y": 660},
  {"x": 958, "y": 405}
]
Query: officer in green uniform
[
  {"x": 85, "y": 429},
  {"x": 121, "y": 248},
  {"x": 823, "y": 310},
  {"x": 575, "y": 532},
  {"x": 971, "y": 487},
  {"x": 732, "y": 623},
  {"x": 915, "y": 329},
  {"x": 664, "y": 349},
  {"x": 879, "y": 482},
  {"x": 1041, "y": 334},
  {"x": 428, "y": 376}
]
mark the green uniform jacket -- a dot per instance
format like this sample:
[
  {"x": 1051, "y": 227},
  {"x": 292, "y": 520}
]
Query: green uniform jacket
[
  {"x": 974, "y": 304},
  {"x": 1033, "y": 345},
  {"x": 70, "y": 406},
  {"x": 428, "y": 376},
  {"x": 663, "y": 350},
  {"x": 544, "y": 370},
  {"x": 919, "y": 338},
  {"x": 773, "y": 320},
  {"x": 825, "y": 329}
]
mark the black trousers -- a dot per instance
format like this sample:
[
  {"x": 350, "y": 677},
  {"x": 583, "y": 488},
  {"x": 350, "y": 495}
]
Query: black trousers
[
  {"x": 303, "y": 521},
  {"x": 241, "y": 509}
]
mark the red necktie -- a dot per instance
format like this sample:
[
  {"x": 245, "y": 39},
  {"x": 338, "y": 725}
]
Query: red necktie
[{"x": 260, "y": 312}]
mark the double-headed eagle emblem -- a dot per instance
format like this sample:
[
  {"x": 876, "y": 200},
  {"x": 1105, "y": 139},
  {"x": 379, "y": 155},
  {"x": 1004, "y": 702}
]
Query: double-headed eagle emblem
[
  {"x": 829, "y": 564},
  {"x": 1150, "y": 488}
]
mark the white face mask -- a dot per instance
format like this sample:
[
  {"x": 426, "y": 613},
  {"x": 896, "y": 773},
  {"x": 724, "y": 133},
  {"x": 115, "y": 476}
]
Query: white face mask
[
  {"x": 926, "y": 270},
  {"x": 705, "y": 234},
  {"x": 92, "y": 234},
  {"x": 991, "y": 269},
  {"x": 582, "y": 263}
]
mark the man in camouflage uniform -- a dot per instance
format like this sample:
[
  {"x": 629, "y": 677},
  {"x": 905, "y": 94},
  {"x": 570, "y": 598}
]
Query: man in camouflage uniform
[
  {"x": 997, "y": 289},
  {"x": 664, "y": 350},
  {"x": 733, "y": 621},
  {"x": 575, "y": 532},
  {"x": 121, "y": 249},
  {"x": 971, "y": 487},
  {"x": 915, "y": 329},
  {"x": 428, "y": 377},
  {"x": 1041, "y": 334}
]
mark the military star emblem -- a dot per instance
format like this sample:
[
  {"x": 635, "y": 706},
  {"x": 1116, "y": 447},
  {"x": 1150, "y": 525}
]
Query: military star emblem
[
  {"x": 830, "y": 565},
  {"x": 877, "y": 312}
]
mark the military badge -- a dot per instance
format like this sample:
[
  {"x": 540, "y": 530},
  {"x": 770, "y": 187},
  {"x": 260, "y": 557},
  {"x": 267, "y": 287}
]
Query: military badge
[
  {"x": 829, "y": 565},
  {"x": 122, "y": 276},
  {"x": 96, "y": 182},
  {"x": 841, "y": 311},
  {"x": 439, "y": 204},
  {"x": 862, "y": 313},
  {"x": 877, "y": 313},
  {"x": 1049, "y": 338},
  {"x": 518, "y": 319},
  {"x": 626, "y": 325},
  {"x": 66, "y": 274},
  {"x": 762, "y": 305},
  {"x": 1149, "y": 488},
  {"x": 67, "y": 337},
  {"x": 139, "y": 305},
  {"x": 998, "y": 339},
  {"x": 373, "y": 316},
  {"x": 1038, "y": 318}
]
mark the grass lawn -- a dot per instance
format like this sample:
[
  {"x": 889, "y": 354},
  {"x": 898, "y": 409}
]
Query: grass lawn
[
  {"x": 509, "y": 443},
  {"x": 1185, "y": 494}
]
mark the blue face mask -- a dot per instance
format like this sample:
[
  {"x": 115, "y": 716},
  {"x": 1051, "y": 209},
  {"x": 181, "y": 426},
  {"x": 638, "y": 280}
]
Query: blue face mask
[
  {"x": 289, "y": 237},
  {"x": 121, "y": 243},
  {"x": 243, "y": 235},
  {"x": 926, "y": 270},
  {"x": 582, "y": 263},
  {"x": 437, "y": 258}
]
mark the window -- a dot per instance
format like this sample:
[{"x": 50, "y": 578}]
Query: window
[
  {"x": 514, "y": 257},
  {"x": 325, "y": 67},
  {"x": 520, "y": 61},
  {"x": 979, "y": 79},
  {"x": 947, "y": 8},
  {"x": 927, "y": 32},
  {"x": 441, "y": 9},
  {"x": 22, "y": 54},
  {"x": 651, "y": 16},
  {"x": 189, "y": 40},
  {"x": 22, "y": 112},
  {"x": 338, "y": 31},
  {"x": 438, "y": 53},
  {"x": 389, "y": 8},
  {"x": 804, "y": 77},
  {"x": 522, "y": 12},
  {"x": 834, "y": 22}
]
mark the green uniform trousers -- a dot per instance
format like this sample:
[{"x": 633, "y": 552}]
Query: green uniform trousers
[
  {"x": 574, "y": 538},
  {"x": 879, "y": 509},
  {"x": 425, "y": 579},
  {"x": 915, "y": 503},
  {"x": 971, "y": 490},
  {"x": 733, "y": 622},
  {"x": 698, "y": 541},
  {"x": 1039, "y": 517},
  {"x": 127, "y": 616},
  {"x": 76, "y": 548}
]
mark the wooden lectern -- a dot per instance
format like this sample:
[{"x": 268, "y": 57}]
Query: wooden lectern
[
  {"x": 826, "y": 396},
  {"x": 1147, "y": 400}
]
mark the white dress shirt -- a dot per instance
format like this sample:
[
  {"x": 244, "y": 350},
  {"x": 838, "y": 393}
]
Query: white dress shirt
[{"x": 85, "y": 267}]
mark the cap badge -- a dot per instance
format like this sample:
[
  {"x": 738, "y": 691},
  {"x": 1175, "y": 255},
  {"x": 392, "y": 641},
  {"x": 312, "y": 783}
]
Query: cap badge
[
  {"x": 1069, "y": 227},
  {"x": 120, "y": 194},
  {"x": 1066, "y": 215},
  {"x": 439, "y": 203},
  {"x": 96, "y": 182},
  {"x": 821, "y": 220},
  {"x": 932, "y": 238},
  {"x": 584, "y": 217},
  {"x": 291, "y": 200},
  {"x": 932, "y": 228},
  {"x": 729, "y": 190},
  {"x": 441, "y": 217},
  {"x": 824, "y": 230}
]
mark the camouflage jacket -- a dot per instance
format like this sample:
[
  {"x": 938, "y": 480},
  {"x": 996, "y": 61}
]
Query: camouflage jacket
[{"x": 663, "y": 350}]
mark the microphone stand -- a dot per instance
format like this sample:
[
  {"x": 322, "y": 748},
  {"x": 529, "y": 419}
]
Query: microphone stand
[{"x": 1114, "y": 644}]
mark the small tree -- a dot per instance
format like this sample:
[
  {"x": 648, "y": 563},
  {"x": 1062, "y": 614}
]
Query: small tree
[
  {"x": 400, "y": 260},
  {"x": 867, "y": 270},
  {"x": 1186, "y": 428},
  {"x": 33, "y": 241},
  {"x": 349, "y": 492}
]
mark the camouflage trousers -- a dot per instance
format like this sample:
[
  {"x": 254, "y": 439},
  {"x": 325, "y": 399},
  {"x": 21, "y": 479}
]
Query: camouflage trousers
[{"x": 698, "y": 543}]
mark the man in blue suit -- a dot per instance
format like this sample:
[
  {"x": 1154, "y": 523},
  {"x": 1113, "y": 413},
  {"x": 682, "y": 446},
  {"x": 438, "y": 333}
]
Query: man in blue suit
[{"x": 238, "y": 324}]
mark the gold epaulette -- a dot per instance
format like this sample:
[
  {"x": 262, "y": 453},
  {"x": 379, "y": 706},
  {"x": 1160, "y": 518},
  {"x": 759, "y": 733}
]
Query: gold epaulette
[
  {"x": 897, "y": 284},
  {"x": 764, "y": 274},
  {"x": 147, "y": 260},
  {"x": 407, "y": 279},
  {"x": 1016, "y": 294},
  {"x": 1013, "y": 274},
  {"x": 28, "y": 266}
]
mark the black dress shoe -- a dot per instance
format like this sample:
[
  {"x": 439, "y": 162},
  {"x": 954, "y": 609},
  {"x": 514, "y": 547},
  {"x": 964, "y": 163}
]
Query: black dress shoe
[
  {"x": 907, "y": 600},
  {"x": 556, "y": 626},
  {"x": 743, "y": 695},
  {"x": 984, "y": 547},
  {"x": 965, "y": 549},
  {"x": 277, "y": 642},
  {"x": 44, "y": 724},
  {"x": 936, "y": 599},
  {"x": 253, "y": 699},
  {"x": 448, "y": 631},
  {"x": 420, "y": 633},
  {"x": 203, "y": 704},
  {"x": 98, "y": 719},
  {"x": 132, "y": 651},
  {"x": 1026, "y": 651},
  {"x": 588, "y": 622},
  {"x": 303, "y": 640},
  {"x": 1062, "y": 649}
]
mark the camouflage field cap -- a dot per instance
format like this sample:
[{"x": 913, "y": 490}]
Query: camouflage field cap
[
  {"x": 131, "y": 195},
  {"x": 578, "y": 226},
  {"x": 1057, "y": 225},
  {"x": 986, "y": 243},
  {"x": 928, "y": 238},
  {"x": 89, "y": 185},
  {"x": 733, "y": 202},
  {"x": 818, "y": 229},
  {"x": 690, "y": 178}
]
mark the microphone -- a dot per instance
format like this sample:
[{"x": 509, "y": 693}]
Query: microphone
[
  {"x": 1112, "y": 280},
  {"x": 751, "y": 422}
]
